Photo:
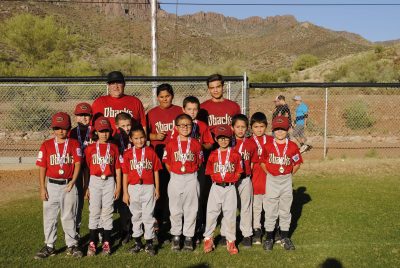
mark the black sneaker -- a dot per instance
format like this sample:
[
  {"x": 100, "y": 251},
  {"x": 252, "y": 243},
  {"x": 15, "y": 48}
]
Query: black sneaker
[
  {"x": 150, "y": 249},
  {"x": 188, "y": 244},
  {"x": 175, "y": 245},
  {"x": 45, "y": 252},
  {"x": 277, "y": 238},
  {"x": 222, "y": 241},
  {"x": 246, "y": 242},
  {"x": 136, "y": 248},
  {"x": 257, "y": 236},
  {"x": 74, "y": 251},
  {"x": 268, "y": 244},
  {"x": 125, "y": 238},
  {"x": 287, "y": 244}
]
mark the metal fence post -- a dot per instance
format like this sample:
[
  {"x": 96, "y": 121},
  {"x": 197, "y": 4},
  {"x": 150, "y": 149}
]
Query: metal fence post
[
  {"x": 245, "y": 95},
  {"x": 326, "y": 122},
  {"x": 229, "y": 90}
]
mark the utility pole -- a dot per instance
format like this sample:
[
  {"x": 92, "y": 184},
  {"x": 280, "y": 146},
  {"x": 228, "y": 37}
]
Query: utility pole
[{"x": 154, "y": 60}]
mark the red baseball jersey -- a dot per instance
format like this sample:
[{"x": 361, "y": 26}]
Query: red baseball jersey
[
  {"x": 93, "y": 161},
  {"x": 272, "y": 159},
  {"x": 259, "y": 178},
  {"x": 234, "y": 167},
  {"x": 162, "y": 120},
  {"x": 248, "y": 152},
  {"x": 200, "y": 131},
  {"x": 220, "y": 113},
  {"x": 110, "y": 107},
  {"x": 151, "y": 163},
  {"x": 173, "y": 158},
  {"x": 47, "y": 158}
]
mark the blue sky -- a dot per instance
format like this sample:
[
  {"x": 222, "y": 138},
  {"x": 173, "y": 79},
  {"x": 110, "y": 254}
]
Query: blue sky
[{"x": 375, "y": 23}]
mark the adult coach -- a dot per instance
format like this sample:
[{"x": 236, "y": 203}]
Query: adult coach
[
  {"x": 281, "y": 108},
  {"x": 116, "y": 102},
  {"x": 300, "y": 124},
  {"x": 218, "y": 111}
]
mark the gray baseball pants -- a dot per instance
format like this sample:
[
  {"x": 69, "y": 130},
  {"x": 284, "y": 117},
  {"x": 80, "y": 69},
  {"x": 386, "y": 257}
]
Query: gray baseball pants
[
  {"x": 278, "y": 202},
  {"x": 245, "y": 191},
  {"x": 66, "y": 203},
  {"x": 259, "y": 202},
  {"x": 222, "y": 199},
  {"x": 183, "y": 193},
  {"x": 101, "y": 203},
  {"x": 141, "y": 205}
]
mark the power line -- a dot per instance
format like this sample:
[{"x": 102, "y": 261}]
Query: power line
[{"x": 207, "y": 4}]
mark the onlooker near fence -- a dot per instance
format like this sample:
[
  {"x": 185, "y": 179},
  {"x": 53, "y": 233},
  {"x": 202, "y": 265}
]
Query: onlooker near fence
[
  {"x": 281, "y": 108},
  {"x": 300, "y": 124}
]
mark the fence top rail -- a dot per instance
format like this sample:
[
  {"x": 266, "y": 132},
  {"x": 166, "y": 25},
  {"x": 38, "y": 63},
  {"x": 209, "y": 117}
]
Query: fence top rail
[
  {"x": 323, "y": 85},
  {"x": 127, "y": 78}
]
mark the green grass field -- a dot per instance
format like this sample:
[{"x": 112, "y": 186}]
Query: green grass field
[{"x": 349, "y": 220}]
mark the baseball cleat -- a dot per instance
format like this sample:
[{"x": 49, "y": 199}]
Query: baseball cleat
[
  {"x": 246, "y": 242},
  {"x": 150, "y": 249},
  {"x": 176, "y": 240},
  {"x": 277, "y": 238},
  {"x": 74, "y": 251},
  {"x": 287, "y": 244},
  {"x": 208, "y": 245},
  {"x": 91, "y": 251},
  {"x": 268, "y": 244},
  {"x": 136, "y": 248},
  {"x": 45, "y": 252},
  {"x": 106, "y": 249},
  {"x": 257, "y": 237},
  {"x": 188, "y": 244},
  {"x": 126, "y": 238},
  {"x": 231, "y": 247}
]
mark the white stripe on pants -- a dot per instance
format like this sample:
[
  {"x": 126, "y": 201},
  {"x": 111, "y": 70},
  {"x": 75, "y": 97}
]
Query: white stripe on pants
[
  {"x": 66, "y": 203},
  {"x": 183, "y": 193},
  {"x": 245, "y": 190},
  {"x": 279, "y": 202},
  {"x": 222, "y": 199},
  {"x": 101, "y": 202},
  {"x": 259, "y": 202},
  {"x": 141, "y": 205}
]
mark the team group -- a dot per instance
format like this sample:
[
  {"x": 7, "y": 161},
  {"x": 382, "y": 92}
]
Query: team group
[{"x": 201, "y": 163}]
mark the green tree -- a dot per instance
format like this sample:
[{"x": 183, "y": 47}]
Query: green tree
[{"x": 305, "y": 61}]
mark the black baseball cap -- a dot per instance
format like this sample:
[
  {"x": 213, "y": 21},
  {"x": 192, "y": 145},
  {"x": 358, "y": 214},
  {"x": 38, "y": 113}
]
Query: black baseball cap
[{"x": 115, "y": 76}]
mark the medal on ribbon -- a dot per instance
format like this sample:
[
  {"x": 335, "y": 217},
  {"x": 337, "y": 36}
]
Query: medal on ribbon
[
  {"x": 223, "y": 168},
  {"x": 259, "y": 151},
  {"x": 281, "y": 159},
  {"x": 61, "y": 159},
  {"x": 103, "y": 162},
  {"x": 139, "y": 165},
  {"x": 184, "y": 156}
]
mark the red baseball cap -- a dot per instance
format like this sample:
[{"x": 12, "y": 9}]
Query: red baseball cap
[
  {"x": 223, "y": 130},
  {"x": 281, "y": 122},
  {"x": 83, "y": 108},
  {"x": 102, "y": 123},
  {"x": 61, "y": 120}
]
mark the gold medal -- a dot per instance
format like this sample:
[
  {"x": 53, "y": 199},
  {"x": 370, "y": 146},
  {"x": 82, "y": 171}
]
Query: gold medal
[
  {"x": 281, "y": 170},
  {"x": 61, "y": 172},
  {"x": 183, "y": 169},
  {"x": 103, "y": 176}
]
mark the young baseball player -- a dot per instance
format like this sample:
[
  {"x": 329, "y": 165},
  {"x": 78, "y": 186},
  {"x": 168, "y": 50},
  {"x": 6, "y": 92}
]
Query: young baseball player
[
  {"x": 280, "y": 160},
  {"x": 81, "y": 133},
  {"x": 104, "y": 184},
  {"x": 59, "y": 163},
  {"x": 248, "y": 151},
  {"x": 140, "y": 168},
  {"x": 258, "y": 124},
  {"x": 183, "y": 157},
  {"x": 224, "y": 165},
  {"x": 123, "y": 122}
]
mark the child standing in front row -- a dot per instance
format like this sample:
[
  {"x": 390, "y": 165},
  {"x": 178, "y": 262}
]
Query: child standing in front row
[
  {"x": 104, "y": 184},
  {"x": 59, "y": 162},
  {"x": 225, "y": 167},
  {"x": 248, "y": 151},
  {"x": 141, "y": 188},
  {"x": 258, "y": 124},
  {"x": 281, "y": 159},
  {"x": 183, "y": 157}
]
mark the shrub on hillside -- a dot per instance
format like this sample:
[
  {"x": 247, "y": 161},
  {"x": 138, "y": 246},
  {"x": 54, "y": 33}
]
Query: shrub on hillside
[
  {"x": 305, "y": 61},
  {"x": 28, "y": 116},
  {"x": 357, "y": 116}
]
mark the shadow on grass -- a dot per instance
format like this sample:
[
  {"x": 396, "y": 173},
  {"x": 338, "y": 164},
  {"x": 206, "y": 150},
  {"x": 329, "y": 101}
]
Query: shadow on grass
[
  {"x": 300, "y": 198},
  {"x": 200, "y": 265},
  {"x": 331, "y": 263}
]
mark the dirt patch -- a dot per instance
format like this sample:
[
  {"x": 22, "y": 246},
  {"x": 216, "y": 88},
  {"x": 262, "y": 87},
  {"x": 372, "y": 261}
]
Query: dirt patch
[{"x": 18, "y": 184}]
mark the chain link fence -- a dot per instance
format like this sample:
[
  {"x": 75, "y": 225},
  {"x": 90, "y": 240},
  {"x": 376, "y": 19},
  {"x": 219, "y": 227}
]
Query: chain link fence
[
  {"x": 26, "y": 107},
  {"x": 359, "y": 120}
]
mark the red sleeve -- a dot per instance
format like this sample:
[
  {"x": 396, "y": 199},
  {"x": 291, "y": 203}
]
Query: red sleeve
[
  {"x": 88, "y": 157},
  {"x": 142, "y": 114},
  {"x": 117, "y": 159},
  {"x": 253, "y": 154},
  {"x": 167, "y": 154},
  {"x": 76, "y": 151},
  {"x": 296, "y": 158},
  {"x": 125, "y": 164},
  {"x": 238, "y": 111},
  {"x": 156, "y": 161},
  {"x": 207, "y": 136},
  {"x": 41, "y": 160},
  {"x": 238, "y": 164},
  {"x": 209, "y": 166}
]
